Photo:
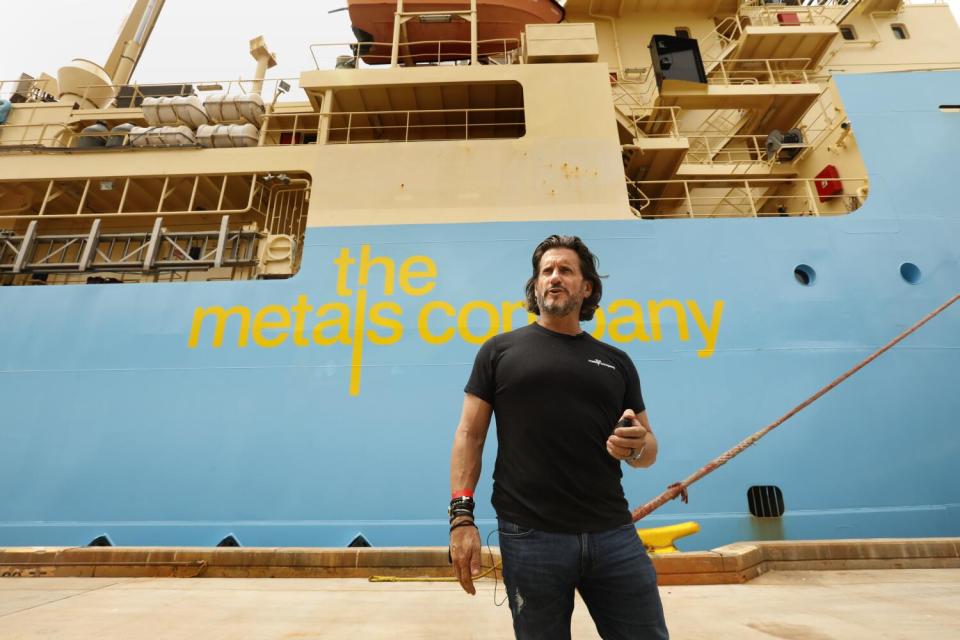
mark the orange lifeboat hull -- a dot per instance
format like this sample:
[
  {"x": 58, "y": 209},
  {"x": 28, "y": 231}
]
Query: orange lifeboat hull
[{"x": 499, "y": 25}]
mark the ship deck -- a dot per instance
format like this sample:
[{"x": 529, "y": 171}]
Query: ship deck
[{"x": 850, "y": 604}]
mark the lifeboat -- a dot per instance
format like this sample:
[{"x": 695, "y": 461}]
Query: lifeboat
[{"x": 445, "y": 37}]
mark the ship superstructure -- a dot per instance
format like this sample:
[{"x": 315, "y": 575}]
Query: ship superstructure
[{"x": 324, "y": 269}]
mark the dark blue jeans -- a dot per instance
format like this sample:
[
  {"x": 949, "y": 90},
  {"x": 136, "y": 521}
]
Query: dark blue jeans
[{"x": 611, "y": 570}]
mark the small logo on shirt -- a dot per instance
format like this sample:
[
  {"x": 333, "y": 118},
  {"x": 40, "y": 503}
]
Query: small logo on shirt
[{"x": 601, "y": 363}]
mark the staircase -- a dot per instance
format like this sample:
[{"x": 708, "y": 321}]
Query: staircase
[
  {"x": 633, "y": 101},
  {"x": 721, "y": 126},
  {"x": 720, "y": 43}
]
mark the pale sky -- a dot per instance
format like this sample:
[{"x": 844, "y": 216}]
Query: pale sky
[{"x": 195, "y": 40}]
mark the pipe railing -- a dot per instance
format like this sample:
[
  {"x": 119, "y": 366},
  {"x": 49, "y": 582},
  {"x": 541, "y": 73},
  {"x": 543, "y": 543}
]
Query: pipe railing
[
  {"x": 63, "y": 198},
  {"x": 822, "y": 12},
  {"x": 47, "y": 136},
  {"x": 635, "y": 91},
  {"x": 58, "y": 136},
  {"x": 28, "y": 89},
  {"x": 354, "y": 127},
  {"x": 752, "y": 197},
  {"x": 132, "y": 94},
  {"x": 738, "y": 149},
  {"x": 431, "y": 52},
  {"x": 763, "y": 71},
  {"x": 654, "y": 122},
  {"x": 720, "y": 42}
]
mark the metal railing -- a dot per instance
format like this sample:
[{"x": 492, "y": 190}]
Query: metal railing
[
  {"x": 34, "y": 136},
  {"x": 635, "y": 90},
  {"x": 816, "y": 124},
  {"x": 751, "y": 198},
  {"x": 431, "y": 52},
  {"x": 28, "y": 89},
  {"x": 653, "y": 122},
  {"x": 720, "y": 42},
  {"x": 426, "y": 124},
  {"x": 821, "y": 12},
  {"x": 132, "y": 95},
  {"x": 69, "y": 198},
  {"x": 277, "y": 206},
  {"x": 819, "y": 121},
  {"x": 354, "y": 127},
  {"x": 725, "y": 121},
  {"x": 713, "y": 149},
  {"x": 251, "y": 197},
  {"x": 764, "y": 71},
  {"x": 305, "y": 127},
  {"x": 57, "y": 136},
  {"x": 23, "y": 132},
  {"x": 640, "y": 93},
  {"x": 117, "y": 252}
]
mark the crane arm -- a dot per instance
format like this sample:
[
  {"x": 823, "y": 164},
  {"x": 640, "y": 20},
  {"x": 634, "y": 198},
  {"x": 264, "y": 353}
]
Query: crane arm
[{"x": 132, "y": 40}]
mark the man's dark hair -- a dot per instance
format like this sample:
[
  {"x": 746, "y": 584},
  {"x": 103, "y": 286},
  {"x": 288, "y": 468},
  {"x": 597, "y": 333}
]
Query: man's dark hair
[{"x": 588, "y": 267}]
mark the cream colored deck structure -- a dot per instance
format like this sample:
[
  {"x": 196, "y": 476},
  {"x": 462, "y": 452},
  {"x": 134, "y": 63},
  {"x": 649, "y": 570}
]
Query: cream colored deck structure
[{"x": 498, "y": 137}]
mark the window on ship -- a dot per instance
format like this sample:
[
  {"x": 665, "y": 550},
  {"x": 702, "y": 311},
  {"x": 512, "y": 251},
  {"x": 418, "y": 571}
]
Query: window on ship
[{"x": 900, "y": 31}]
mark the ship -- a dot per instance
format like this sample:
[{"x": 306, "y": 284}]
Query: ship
[{"x": 242, "y": 313}]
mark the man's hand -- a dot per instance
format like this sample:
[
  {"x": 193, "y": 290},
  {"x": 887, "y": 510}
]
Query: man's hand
[
  {"x": 627, "y": 441},
  {"x": 465, "y": 552}
]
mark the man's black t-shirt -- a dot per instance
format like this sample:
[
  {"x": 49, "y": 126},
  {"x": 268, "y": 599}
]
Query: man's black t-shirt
[{"x": 556, "y": 398}]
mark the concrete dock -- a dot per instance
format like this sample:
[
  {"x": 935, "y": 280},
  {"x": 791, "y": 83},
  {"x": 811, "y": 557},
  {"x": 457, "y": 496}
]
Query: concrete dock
[
  {"x": 792, "y": 590},
  {"x": 796, "y": 605}
]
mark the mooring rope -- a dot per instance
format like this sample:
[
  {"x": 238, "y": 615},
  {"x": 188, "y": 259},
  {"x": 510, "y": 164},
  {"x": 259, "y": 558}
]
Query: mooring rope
[{"x": 680, "y": 488}]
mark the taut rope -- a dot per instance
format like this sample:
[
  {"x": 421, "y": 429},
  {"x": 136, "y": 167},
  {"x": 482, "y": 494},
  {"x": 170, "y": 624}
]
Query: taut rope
[{"x": 680, "y": 488}]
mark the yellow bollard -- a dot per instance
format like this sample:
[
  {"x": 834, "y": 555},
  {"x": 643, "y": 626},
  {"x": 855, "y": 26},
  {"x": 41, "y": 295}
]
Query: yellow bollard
[{"x": 661, "y": 539}]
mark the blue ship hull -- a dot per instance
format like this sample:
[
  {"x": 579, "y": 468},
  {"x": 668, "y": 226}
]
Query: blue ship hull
[{"x": 120, "y": 416}]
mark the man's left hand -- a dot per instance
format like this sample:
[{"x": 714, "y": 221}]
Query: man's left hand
[{"x": 627, "y": 441}]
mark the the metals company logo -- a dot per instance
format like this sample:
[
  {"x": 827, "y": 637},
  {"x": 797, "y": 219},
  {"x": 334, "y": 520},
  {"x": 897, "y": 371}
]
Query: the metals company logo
[
  {"x": 601, "y": 363},
  {"x": 350, "y": 320}
]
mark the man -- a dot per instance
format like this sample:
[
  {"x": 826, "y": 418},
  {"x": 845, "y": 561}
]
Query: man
[{"x": 569, "y": 410}]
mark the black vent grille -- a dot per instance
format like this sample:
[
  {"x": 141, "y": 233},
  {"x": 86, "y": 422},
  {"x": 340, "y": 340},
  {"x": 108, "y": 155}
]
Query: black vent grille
[{"x": 765, "y": 501}]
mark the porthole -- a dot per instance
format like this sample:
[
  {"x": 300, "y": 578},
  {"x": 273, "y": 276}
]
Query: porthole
[
  {"x": 910, "y": 273},
  {"x": 805, "y": 274}
]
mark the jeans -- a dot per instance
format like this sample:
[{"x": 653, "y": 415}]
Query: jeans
[{"x": 610, "y": 569}]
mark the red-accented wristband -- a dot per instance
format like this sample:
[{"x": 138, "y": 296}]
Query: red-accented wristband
[{"x": 462, "y": 493}]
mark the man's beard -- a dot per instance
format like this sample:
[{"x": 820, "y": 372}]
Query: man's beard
[{"x": 556, "y": 308}]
